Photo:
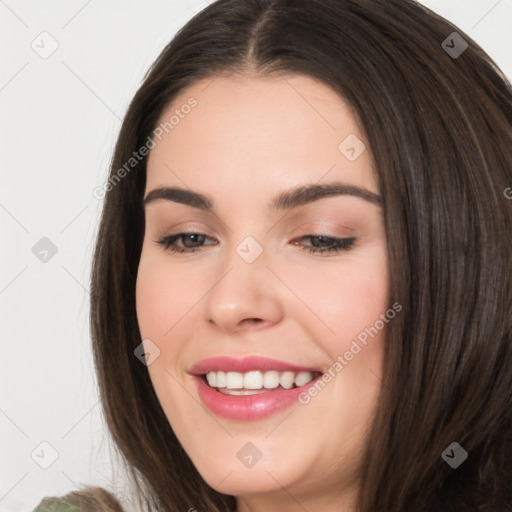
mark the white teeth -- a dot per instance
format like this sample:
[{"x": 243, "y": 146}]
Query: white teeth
[
  {"x": 234, "y": 380},
  {"x": 286, "y": 379},
  {"x": 238, "y": 392},
  {"x": 253, "y": 380},
  {"x": 303, "y": 378},
  {"x": 271, "y": 380},
  {"x": 250, "y": 382},
  {"x": 221, "y": 379},
  {"x": 211, "y": 377}
]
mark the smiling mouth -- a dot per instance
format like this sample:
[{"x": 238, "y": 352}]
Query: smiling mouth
[{"x": 256, "y": 382}]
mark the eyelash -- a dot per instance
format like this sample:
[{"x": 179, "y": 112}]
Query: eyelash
[{"x": 337, "y": 244}]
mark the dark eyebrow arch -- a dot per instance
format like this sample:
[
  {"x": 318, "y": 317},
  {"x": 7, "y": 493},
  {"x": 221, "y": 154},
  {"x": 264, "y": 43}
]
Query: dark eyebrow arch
[
  {"x": 287, "y": 200},
  {"x": 179, "y": 195},
  {"x": 305, "y": 194}
]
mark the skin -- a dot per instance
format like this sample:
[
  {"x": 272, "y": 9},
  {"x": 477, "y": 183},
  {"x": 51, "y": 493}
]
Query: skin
[{"x": 248, "y": 139}]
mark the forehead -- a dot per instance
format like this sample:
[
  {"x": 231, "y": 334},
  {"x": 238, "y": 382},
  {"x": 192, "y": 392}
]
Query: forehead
[{"x": 264, "y": 132}]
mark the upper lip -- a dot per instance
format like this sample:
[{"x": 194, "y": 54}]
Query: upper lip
[{"x": 245, "y": 364}]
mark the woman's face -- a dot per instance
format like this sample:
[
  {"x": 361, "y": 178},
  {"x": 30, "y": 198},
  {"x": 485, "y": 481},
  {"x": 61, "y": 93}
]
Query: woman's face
[{"x": 240, "y": 291}]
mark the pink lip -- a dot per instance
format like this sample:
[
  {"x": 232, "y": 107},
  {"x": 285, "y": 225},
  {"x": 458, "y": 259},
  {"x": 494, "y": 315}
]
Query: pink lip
[
  {"x": 247, "y": 407},
  {"x": 246, "y": 364}
]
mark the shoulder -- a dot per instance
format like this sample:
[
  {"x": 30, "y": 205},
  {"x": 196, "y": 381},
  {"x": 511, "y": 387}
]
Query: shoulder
[
  {"x": 87, "y": 499},
  {"x": 56, "y": 505}
]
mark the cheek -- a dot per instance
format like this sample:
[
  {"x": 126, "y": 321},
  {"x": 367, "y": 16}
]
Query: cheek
[
  {"x": 164, "y": 298},
  {"x": 342, "y": 300},
  {"x": 164, "y": 302},
  {"x": 151, "y": 294},
  {"x": 365, "y": 298}
]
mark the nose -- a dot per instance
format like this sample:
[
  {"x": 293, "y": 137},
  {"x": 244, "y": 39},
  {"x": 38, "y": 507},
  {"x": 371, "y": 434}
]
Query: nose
[{"x": 245, "y": 295}]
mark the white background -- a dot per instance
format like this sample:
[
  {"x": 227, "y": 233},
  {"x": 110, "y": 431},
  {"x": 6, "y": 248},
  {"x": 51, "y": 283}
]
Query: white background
[{"x": 60, "y": 117}]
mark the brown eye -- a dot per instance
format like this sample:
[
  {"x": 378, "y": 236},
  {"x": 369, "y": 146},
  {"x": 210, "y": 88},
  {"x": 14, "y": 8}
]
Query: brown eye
[
  {"x": 322, "y": 244},
  {"x": 191, "y": 242}
]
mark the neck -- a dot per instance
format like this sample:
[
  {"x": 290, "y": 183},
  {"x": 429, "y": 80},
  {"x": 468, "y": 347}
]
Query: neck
[{"x": 286, "y": 501}]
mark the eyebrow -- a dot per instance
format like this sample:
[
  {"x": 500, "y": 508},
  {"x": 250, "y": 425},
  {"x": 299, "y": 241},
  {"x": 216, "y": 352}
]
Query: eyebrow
[{"x": 287, "y": 200}]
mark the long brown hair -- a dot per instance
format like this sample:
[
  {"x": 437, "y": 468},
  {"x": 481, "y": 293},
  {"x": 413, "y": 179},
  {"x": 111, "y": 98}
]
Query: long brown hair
[{"x": 439, "y": 126}]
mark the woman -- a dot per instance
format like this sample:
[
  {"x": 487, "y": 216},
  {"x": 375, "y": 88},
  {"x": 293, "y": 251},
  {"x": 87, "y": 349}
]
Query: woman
[{"x": 301, "y": 293}]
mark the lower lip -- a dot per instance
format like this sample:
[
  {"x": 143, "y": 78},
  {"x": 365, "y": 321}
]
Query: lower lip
[{"x": 248, "y": 407}]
